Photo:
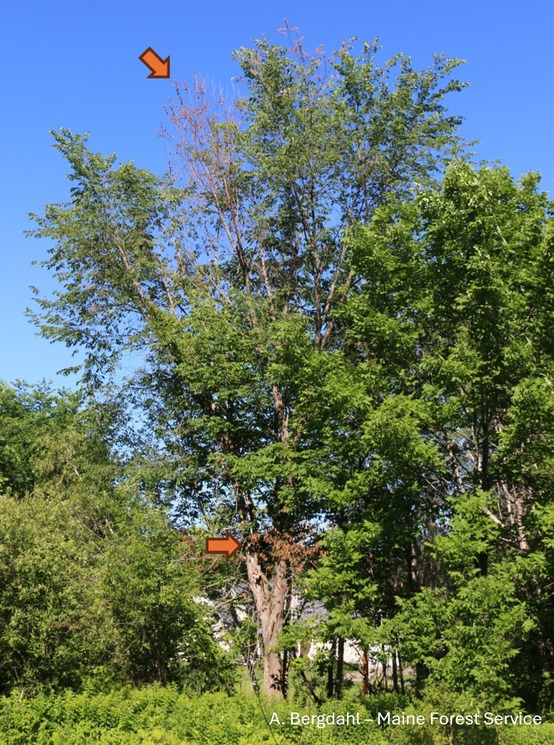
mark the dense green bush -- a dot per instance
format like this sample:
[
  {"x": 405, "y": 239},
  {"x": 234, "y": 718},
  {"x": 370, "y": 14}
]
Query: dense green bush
[{"x": 95, "y": 582}]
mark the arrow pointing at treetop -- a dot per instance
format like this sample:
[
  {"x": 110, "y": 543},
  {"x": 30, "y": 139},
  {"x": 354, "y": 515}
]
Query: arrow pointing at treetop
[
  {"x": 158, "y": 66},
  {"x": 222, "y": 545}
]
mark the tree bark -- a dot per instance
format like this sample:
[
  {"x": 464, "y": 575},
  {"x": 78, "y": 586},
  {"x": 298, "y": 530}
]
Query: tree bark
[{"x": 270, "y": 598}]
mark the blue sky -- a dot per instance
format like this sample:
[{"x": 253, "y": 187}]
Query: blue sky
[{"x": 75, "y": 65}]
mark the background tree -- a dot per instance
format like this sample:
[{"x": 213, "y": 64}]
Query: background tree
[
  {"x": 48, "y": 440},
  {"x": 453, "y": 308}
]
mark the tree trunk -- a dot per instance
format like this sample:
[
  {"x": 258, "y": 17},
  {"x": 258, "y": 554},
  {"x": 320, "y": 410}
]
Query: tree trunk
[
  {"x": 270, "y": 597},
  {"x": 401, "y": 674},
  {"x": 340, "y": 667},
  {"x": 365, "y": 673},
  {"x": 331, "y": 671},
  {"x": 284, "y": 673},
  {"x": 394, "y": 671}
]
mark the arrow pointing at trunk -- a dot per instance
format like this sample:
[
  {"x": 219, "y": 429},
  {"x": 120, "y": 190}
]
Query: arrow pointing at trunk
[
  {"x": 222, "y": 545},
  {"x": 158, "y": 66}
]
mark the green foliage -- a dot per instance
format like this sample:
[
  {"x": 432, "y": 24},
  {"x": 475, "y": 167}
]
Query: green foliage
[
  {"x": 53, "y": 626},
  {"x": 455, "y": 314},
  {"x": 163, "y": 715},
  {"x": 466, "y": 643},
  {"x": 94, "y": 583},
  {"x": 47, "y": 441}
]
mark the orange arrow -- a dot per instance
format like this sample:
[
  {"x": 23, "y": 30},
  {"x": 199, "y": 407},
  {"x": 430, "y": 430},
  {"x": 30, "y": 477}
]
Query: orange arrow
[
  {"x": 222, "y": 545},
  {"x": 159, "y": 66}
]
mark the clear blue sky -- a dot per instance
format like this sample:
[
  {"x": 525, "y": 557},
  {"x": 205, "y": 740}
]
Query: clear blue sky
[{"x": 75, "y": 64}]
